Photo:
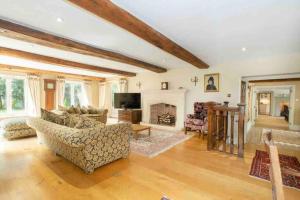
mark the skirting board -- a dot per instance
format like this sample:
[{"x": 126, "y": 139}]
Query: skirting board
[{"x": 294, "y": 127}]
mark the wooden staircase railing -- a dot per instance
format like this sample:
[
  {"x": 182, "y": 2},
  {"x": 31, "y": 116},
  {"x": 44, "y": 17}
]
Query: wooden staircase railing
[{"x": 218, "y": 118}]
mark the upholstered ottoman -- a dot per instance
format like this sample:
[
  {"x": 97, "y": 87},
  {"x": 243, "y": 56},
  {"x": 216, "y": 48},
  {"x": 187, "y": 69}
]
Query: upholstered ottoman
[{"x": 14, "y": 128}]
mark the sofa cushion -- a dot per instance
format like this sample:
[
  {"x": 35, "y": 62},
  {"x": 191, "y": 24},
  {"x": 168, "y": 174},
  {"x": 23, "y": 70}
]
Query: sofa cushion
[{"x": 12, "y": 124}]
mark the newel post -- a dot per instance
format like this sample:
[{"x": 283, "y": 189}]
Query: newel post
[
  {"x": 241, "y": 130},
  {"x": 210, "y": 127}
]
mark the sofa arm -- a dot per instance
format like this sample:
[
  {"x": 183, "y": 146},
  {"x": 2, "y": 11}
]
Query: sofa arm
[{"x": 64, "y": 134}]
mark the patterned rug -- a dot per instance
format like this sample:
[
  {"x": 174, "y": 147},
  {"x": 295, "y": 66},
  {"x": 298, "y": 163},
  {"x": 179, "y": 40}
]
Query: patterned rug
[
  {"x": 260, "y": 168},
  {"x": 158, "y": 142}
]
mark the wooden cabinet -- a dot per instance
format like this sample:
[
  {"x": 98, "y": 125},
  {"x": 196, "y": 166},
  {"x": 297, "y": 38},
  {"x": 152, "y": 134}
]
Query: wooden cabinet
[{"x": 133, "y": 116}]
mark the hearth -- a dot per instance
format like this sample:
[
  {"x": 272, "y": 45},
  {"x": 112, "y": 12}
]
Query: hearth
[{"x": 163, "y": 114}]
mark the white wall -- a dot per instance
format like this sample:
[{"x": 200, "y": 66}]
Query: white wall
[
  {"x": 230, "y": 76},
  {"x": 229, "y": 83}
]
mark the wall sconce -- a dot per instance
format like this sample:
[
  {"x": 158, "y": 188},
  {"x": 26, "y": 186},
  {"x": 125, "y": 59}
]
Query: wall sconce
[
  {"x": 139, "y": 84},
  {"x": 195, "y": 80}
]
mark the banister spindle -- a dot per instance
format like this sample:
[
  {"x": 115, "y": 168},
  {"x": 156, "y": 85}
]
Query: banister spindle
[
  {"x": 225, "y": 113},
  {"x": 241, "y": 130},
  {"x": 218, "y": 127},
  {"x": 232, "y": 113}
]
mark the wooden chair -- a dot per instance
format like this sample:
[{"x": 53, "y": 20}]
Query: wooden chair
[{"x": 275, "y": 170}]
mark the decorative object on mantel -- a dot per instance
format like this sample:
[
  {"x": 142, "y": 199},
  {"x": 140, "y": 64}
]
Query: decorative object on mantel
[
  {"x": 195, "y": 80},
  {"x": 164, "y": 85},
  {"x": 228, "y": 95},
  {"x": 180, "y": 88},
  {"x": 211, "y": 82},
  {"x": 139, "y": 84}
]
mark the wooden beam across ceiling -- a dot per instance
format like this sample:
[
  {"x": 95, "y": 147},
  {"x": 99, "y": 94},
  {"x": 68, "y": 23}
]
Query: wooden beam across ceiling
[
  {"x": 13, "y": 68},
  {"x": 120, "y": 17},
  {"x": 23, "y": 33},
  {"x": 60, "y": 62}
]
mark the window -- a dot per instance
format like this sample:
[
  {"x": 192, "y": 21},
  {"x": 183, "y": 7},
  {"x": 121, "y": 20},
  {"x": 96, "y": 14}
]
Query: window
[
  {"x": 12, "y": 95},
  {"x": 114, "y": 89},
  {"x": 73, "y": 94}
]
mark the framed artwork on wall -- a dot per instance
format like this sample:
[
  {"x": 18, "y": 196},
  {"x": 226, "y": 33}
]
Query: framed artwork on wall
[{"x": 211, "y": 82}]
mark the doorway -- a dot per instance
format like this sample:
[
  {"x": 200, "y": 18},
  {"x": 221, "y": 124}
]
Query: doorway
[{"x": 264, "y": 103}]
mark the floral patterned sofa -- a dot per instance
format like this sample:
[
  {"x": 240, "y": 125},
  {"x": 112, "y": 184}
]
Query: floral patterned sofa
[
  {"x": 14, "y": 128},
  {"x": 88, "y": 148}
]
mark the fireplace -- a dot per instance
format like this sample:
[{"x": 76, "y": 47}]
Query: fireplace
[
  {"x": 163, "y": 114},
  {"x": 176, "y": 101}
]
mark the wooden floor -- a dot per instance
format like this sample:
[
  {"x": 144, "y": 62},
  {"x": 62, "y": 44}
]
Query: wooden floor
[{"x": 185, "y": 172}]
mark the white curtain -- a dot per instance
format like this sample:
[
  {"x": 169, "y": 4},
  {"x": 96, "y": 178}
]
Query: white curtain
[
  {"x": 60, "y": 92},
  {"x": 102, "y": 87},
  {"x": 87, "y": 85},
  {"x": 123, "y": 85},
  {"x": 34, "y": 100},
  {"x": 105, "y": 97}
]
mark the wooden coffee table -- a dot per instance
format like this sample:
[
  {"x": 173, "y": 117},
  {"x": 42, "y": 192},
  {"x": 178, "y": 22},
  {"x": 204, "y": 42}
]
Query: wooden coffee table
[{"x": 136, "y": 128}]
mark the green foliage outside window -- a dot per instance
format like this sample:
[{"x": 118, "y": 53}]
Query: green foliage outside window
[
  {"x": 2, "y": 95},
  {"x": 67, "y": 97},
  {"x": 73, "y": 94},
  {"x": 18, "y": 100}
]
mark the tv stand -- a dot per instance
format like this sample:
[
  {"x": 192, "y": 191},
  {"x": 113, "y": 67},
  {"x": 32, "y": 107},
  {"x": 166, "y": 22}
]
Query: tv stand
[{"x": 133, "y": 116}]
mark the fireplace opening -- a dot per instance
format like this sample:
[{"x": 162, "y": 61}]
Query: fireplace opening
[{"x": 163, "y": 114}]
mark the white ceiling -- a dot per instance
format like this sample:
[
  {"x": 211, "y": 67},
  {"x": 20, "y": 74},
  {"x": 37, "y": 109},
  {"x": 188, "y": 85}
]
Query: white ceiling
[
  {"x": 213, "y": 30},
  {"x": 217, "y": 30},
  {"x": 84, "y": 27}
]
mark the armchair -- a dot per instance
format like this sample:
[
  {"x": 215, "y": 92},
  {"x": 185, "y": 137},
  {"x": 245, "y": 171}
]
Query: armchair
[{"x": 198, "y": 120}]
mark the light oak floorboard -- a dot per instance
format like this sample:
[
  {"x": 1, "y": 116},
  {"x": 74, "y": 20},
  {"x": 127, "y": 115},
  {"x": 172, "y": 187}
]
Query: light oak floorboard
[{"x": 188, "y": 171}]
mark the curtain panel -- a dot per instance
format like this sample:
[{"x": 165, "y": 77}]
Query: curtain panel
[
  {"x": 34, "y": 100},
  {"x": 87, "y": 86},
  {"x": 60, "y": 92}
]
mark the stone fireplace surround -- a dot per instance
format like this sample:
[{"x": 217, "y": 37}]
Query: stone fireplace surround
[{"x": 173, "y": 97}]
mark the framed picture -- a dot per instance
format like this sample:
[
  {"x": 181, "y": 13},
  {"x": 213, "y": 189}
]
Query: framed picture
[
  {"x": 211, "y": 82},
  {"x": 164, "y": 85}
]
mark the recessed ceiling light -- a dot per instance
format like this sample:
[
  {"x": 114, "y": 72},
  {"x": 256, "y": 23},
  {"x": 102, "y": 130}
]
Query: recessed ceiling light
[
  {"x": 59, "y": 19},
  {"x": 244, "y": 49}
]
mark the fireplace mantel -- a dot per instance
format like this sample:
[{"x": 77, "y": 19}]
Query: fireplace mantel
[{"x": 173, "y": 97}]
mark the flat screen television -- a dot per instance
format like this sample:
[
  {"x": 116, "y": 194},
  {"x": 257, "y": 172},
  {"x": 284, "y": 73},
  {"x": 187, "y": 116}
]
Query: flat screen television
[{"x": 127, "y": 100}]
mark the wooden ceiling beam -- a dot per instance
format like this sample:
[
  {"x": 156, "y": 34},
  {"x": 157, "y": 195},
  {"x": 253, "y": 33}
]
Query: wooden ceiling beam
[
  {"x": 60, "y": 62},
  {"x": 13, "y": 68},
  {"x": 23, "y": 33},
  {"x": 109, "y": 11}
]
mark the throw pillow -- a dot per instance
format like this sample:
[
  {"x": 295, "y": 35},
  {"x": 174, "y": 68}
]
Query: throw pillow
[
  {"x": 77, "y": 110},
  {"x": 72, "y": 120},
  {"x": 71, "y": 110},
  {"x": 92, "y": 110},
  {"x": 85, "y": 122},
  {"x": 84, "y": 110},
  {"x": 52, "y": 117}
]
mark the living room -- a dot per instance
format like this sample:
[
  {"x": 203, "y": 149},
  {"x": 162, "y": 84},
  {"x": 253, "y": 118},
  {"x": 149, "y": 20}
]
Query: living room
[{"x": 115, "y": 99}]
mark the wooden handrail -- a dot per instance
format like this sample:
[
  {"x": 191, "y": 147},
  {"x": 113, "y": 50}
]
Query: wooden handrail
[
  {"x": 274, "y": 168},
  {"x": 218, "y": 126}
]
